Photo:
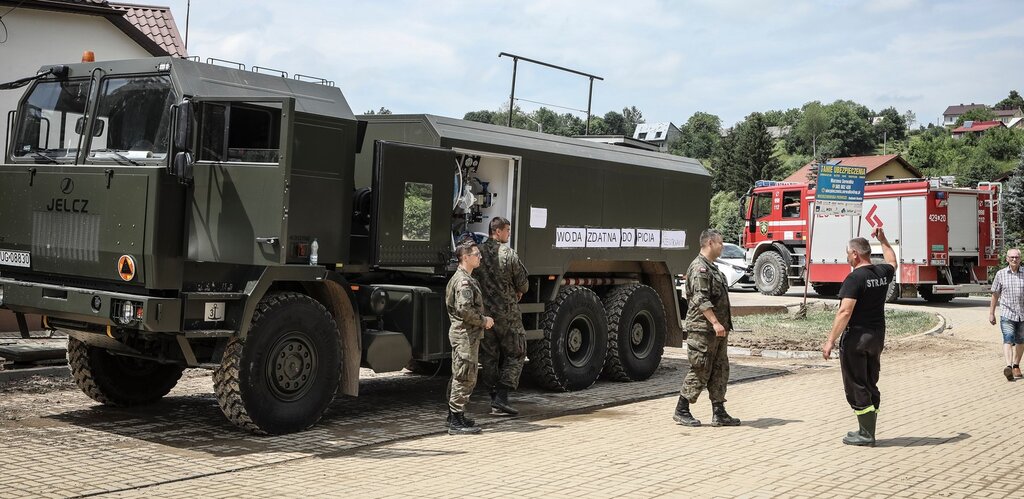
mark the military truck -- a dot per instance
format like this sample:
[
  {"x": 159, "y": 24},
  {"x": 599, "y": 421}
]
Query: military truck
[{"x": 167, "y": 213}]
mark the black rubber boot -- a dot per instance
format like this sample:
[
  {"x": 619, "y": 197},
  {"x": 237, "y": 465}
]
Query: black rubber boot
[
  {"x": 721, "y": 418},
  {"x": 866, "y": 435},
  {"x": 459, "y": 425},
  {"x": 499, "y": 403},
  {"x": 448, "y": 421},
  {"x": 682, "y": 414}
]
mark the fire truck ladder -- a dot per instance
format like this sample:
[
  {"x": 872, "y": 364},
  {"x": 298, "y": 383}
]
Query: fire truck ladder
[{"x": 995, "y": 218}]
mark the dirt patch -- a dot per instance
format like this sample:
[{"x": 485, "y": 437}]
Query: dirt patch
[{"x": 786, "y": 332}]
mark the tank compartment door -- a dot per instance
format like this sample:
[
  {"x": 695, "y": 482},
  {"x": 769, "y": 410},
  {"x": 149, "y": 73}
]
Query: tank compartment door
[
  {"x": 413, "y": 191},
  {"x": 239, "y": 201}
]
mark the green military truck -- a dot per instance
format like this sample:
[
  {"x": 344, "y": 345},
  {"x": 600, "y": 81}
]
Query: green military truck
[{"x": 167, "y": 213}]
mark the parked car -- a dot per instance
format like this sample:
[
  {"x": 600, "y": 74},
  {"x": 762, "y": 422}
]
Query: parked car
[{"x": 733, "y": 263}]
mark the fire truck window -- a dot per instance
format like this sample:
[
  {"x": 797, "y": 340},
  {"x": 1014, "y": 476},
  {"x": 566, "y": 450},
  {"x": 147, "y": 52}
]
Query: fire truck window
[
  {"x": 791, "y": 204},
  {"x": 763, "y": 205}
]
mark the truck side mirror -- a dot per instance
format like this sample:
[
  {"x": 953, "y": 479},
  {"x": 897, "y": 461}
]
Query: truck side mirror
[
  {"x": 183, "y": 166},
  {"x": 97, "y": 126},
  {"x": 183, "y": 128}
]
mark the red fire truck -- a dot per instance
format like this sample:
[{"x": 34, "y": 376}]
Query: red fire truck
[{"x": 945, "y": 237}]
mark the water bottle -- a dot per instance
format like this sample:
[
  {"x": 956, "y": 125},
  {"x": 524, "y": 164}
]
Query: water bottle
[{"x": 313, "y": 248}]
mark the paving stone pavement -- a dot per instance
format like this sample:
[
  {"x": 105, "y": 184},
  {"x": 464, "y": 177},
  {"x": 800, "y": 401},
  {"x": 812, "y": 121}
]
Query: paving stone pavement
[{"x": 949, "y": 427}]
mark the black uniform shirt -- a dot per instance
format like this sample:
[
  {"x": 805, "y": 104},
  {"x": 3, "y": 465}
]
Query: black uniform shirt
[{"x": 868, "y": 285}]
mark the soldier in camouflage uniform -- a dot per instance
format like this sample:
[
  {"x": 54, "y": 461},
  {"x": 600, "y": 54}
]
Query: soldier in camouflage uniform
[
  {"x": 503, "y": 280},
  {"x": 465, "y": 305},
  {"x": 708, "y": 321}
]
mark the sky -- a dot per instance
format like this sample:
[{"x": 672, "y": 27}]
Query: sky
[{"x": 667, "y": 58}]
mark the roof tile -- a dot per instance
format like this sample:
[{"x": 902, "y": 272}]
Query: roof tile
[{"x": 155, "y": 22}]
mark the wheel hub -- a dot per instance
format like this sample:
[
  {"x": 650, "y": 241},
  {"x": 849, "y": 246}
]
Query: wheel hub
[
  {"x": 579, "y": 341},
  {"x": 575, "y": 340},
  {"x": 291, "y": 366},
  {"x": 641, "y": 334},
  {"x": 768, "y": 273}
]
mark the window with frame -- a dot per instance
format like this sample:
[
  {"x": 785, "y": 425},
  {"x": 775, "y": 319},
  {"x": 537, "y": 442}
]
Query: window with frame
[
  {"x": 791, "y": 204},
  {"x": 242, "y": 132},
  {"x": 762, "y": 205}
]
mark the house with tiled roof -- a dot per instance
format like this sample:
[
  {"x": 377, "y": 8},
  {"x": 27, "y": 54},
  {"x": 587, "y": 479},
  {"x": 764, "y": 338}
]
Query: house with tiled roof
[
  {"x": 953, "y": 113},
  {"x": 879, "y": 167},
  {"x": 970, "y": 127},
  {"x": 39, "y": 32},
  {"x": 1008, "y": 115}
]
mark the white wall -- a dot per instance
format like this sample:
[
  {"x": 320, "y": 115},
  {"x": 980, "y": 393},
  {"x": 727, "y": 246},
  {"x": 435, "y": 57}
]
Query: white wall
[{"x": 39, "y": 37}]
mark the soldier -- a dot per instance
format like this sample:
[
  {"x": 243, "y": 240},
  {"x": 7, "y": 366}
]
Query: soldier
[
  {"x": 503, "y": 280},
  {"x": 465, "y": 310},
  {"x": 708, "y": 321}
]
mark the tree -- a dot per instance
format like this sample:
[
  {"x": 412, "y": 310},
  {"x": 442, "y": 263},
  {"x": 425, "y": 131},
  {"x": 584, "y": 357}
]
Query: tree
[
  {"x": 1013, "y": 101},
  {"x": 892, "y": 126},
  {"x": 725, "y": 216},
  {"x": 748, "y": 156},
  {"x": 699, "y": 137},
  {"x": 615, "y": 123},
  {"x": 812, "y": 125},
  {"x": 482, "y": 116},
  {"x": 976, "y": 114},
  {"x": 847, "y": 124},
  {"x": 633, "y": 117},
  {"x": 1013, "y": 205}
]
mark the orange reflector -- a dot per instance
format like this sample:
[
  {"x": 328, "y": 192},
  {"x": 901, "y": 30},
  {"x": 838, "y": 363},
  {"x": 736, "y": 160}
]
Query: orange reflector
[
  {"x": 88, "y": 56},
  {"x": 551, "y": 278},
  {"x": 354, "y": 288}
]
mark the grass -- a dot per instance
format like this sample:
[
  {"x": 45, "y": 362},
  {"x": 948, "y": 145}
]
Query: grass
[{"x": 783, "y": 332}]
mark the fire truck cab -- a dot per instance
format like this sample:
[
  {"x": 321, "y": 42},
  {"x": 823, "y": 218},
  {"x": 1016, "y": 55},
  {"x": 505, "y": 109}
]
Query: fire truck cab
[{"x": 945, "y": 237}]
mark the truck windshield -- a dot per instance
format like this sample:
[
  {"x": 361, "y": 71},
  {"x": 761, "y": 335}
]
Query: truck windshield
[
  {"x": 49, "y": 118},
  {"x": 131, "y": 124}
]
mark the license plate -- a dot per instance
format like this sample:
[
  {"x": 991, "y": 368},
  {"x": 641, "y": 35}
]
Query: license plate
[{"x": 15, "y": 258}]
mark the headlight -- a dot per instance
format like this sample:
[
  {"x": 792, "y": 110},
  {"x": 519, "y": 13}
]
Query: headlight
[
  {"x": 127, "y": 312},
  {"x": 378, "y": 300}
]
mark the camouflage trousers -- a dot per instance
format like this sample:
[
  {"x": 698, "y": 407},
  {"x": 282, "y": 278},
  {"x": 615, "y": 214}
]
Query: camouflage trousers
[
  {"x": 709, "y": 366},
  {"x": 502, "y": 354},
  {"x": 465, "y": 352}
]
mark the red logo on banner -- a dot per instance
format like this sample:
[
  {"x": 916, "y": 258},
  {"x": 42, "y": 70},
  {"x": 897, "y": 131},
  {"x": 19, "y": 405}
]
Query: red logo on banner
[{"x": 873, "y": 219}]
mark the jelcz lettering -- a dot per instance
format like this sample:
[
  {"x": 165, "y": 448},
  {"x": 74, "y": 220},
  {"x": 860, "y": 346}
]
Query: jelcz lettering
[{"x": 68, "y": 205}]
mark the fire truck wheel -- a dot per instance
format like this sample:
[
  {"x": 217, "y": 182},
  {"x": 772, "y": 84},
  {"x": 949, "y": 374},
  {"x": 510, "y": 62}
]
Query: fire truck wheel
[
  {"x": 571, "y": 354},
  {"x": 892, "y": 295},
  {"x": 283, "y": 375},
  {"x": 829, "y": 289},
  {"x": 636, "y": 332},
  {"x": 118, "y": 380},
  {"x": 771, "y": 274},
  {"x": 926, "y": 292},
  {"x": 430, "y": 367}
]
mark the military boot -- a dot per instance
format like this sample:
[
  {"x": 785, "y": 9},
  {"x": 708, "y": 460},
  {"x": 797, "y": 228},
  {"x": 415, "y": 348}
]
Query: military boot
[
  {"x": 721, "y": 418},
  {"x": 682, "y": 414},
  {"x": 448, "y": 421},
  {"x": 866, "y": 435},
  {"x": 499, "y": 403},
  {"x": 459, "y": 425}
]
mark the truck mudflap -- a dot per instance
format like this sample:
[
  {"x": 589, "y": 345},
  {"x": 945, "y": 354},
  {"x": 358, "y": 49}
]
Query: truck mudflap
[
  {"x": 70, "y": 306},
  {"x": 955, "y": 289}
]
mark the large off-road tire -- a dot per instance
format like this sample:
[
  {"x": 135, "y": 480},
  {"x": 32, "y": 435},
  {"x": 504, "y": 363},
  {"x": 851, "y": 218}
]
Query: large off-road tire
[
  {"x": 892, "y": 294},
  {"x": 284, "y": 374},
  {"x": 636, "y": 332},
  {"x": 571, "y": 354},
  {"x": 925, "y": 290},
  {"x": 118, "y": 380},
  {"x": 430, "y": 367},
  {"x": 829, "y": 289},
  {"x": 771, "y": 274}
]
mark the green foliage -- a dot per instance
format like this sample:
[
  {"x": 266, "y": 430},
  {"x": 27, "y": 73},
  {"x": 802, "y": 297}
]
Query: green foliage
[
  {"x": 746, "y": 154},
  {"x": 615, "y": 123},
  {"x": 893, "y": 125},
  {"x": 416, "y": 211},
  {"x": 1012, "y": 101},
  {"x": 566, "y": 125},
  {"x": 725, "y": 216},
  {"x": 850, "y": 128},
  {"x": 699, "y": 136},
  {"x": 632, "y": 117},
  {"x": 382, "y": 110},
  {"x": 976, "y": 114},
  {"x": 1013, "y": 205}
]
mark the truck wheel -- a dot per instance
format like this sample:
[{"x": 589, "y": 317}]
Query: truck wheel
[
  {"x": 636, "y": 332},
  {"x": 118, "y": 380},
  {"x": 829, "y": 289},
  {"x": 892, "y": 294},
  {"x": 283, "y": 375},
  {"x": 571, "y": 354},
  {"x": 771, "y": 274},
  {"x": 430, "y": 367},
  {"x": 925, "y": 290}
]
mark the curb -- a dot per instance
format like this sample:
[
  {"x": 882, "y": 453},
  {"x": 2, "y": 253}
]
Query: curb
[{"x": 28, "y": 372}]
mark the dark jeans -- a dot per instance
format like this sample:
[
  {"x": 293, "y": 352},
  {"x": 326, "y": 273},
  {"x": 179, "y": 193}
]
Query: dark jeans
[{"x": 859, "y": 352}]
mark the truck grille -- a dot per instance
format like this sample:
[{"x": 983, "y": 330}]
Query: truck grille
[{"x": 67, "y": 236}]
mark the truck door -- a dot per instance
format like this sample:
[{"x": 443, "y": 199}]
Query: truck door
[
  {"x": 239, "y": 200},
  {"x": 413, "y": 190}
]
